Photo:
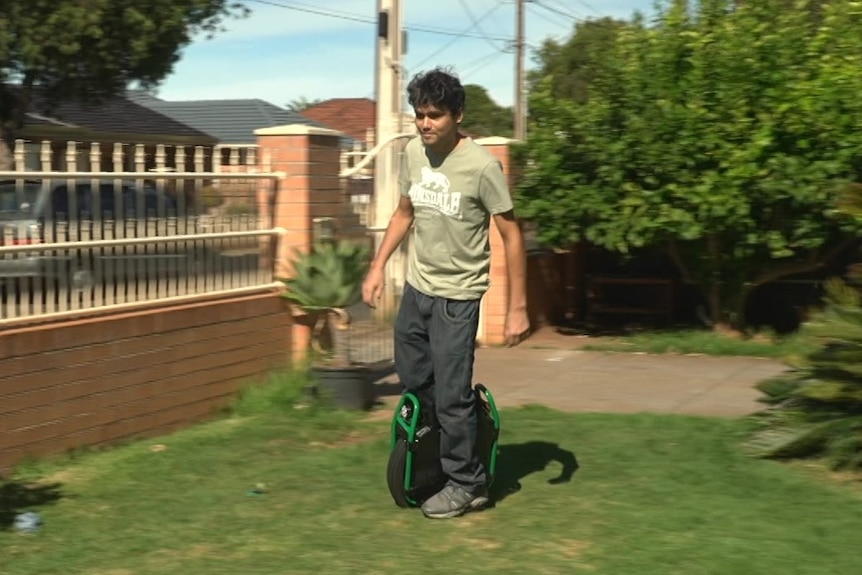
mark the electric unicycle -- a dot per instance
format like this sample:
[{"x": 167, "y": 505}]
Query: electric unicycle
[{"x": 414, "y": 473}]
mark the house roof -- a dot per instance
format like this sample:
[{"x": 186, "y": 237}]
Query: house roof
[
  {"x": 112, "y": 116},
  {"x": 230, "y": 121},
  {"x": 352, "y": 116}
]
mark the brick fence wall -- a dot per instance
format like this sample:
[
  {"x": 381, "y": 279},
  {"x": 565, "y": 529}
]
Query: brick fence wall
[
  {"x": 544, "y": 282},
  {"x": 96, "y": 381}
]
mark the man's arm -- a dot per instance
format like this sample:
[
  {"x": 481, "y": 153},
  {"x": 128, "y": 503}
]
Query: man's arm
[
  {"x": 517, "y": 322},
  {"x": 396, "y": 230}
]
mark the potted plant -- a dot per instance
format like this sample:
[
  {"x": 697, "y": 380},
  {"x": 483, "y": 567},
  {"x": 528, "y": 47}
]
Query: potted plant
[{"x": 326, "y": 281}]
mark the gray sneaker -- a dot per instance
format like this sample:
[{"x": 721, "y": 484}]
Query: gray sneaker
[{"x": 452, "y": 501}]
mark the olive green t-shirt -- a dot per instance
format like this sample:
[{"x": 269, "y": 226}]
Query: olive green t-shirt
[{"x": 453, "y": 200}]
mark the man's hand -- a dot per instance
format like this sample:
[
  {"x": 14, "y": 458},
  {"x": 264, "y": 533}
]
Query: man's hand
[
  {"x": 372, "y": 287},
  {"x": 399, "y": 225},
  {"x": 517, "y": 327}
]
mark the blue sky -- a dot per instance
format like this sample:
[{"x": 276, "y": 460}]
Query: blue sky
[{"x": 282, "y": 52}]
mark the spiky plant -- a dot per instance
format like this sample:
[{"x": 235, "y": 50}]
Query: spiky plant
[
  {"x": 328, "y": 279},
  {"x": 816, "y": 407}
]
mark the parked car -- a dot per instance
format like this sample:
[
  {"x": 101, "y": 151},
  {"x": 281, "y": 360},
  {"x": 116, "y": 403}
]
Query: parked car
[{"x": 33, "y": 212}]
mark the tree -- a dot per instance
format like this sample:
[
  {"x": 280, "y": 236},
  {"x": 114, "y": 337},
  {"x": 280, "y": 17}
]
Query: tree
[
  {"x": 484, "y": 117},
  {"x": 726, "y": 133},
  {"x": 570, "y": 65},
  {"x": 302, "y": 103},
  {"x": 91, "y": 50}
]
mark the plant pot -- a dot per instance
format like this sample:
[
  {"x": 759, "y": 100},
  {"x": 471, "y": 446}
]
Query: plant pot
[{"x": 346, "y": 387}]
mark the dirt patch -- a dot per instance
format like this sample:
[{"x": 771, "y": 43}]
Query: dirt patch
[
  {"x": 382, "y": 413},
  {"x": 354, "y": 437},
  {"x": 71, "y": 476},
  {"x": 483, "y": 544},
  {"x": 820, "y": 471},
  {"x": 568, "y": 548}
]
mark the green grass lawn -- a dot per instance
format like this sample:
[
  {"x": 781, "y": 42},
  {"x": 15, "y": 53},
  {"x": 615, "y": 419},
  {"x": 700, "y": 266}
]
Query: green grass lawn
[{"x": 650, "y": 495}]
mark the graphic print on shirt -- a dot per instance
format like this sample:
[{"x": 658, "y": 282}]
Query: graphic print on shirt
[{"x": 433, "y": 192}]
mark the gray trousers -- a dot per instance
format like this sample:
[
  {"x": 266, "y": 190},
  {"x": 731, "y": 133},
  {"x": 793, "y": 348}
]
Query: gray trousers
[{"x": 434, "y": 350}]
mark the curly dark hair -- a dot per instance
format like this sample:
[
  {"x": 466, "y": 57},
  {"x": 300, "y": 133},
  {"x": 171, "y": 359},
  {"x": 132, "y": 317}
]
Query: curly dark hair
[{"x": 440, "y": 88}]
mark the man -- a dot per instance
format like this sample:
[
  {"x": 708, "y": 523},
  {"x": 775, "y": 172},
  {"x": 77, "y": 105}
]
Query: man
[{"x": 450, "y": 189}]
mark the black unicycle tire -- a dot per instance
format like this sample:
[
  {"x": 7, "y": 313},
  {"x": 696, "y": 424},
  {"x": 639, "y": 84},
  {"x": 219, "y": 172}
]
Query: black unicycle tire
[{"x": 395, "y": 473}]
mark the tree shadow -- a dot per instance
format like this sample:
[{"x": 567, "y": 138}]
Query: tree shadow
[
  {"x": 18, "y": 497},
  {"x": 517, "y": 461}
]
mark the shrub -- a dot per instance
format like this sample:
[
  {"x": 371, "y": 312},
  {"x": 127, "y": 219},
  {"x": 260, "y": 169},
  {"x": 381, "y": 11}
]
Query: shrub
[{"x": 816, "y": 407}]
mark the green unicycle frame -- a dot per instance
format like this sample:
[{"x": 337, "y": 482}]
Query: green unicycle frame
[
  {"x": 408, "y": 430},
  {"x": 494, "y": 415}
]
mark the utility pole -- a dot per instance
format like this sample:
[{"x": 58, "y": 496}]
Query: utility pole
[
  {"x": 388, "y": 72},
  {"x": 520, "y": 116},
  {"x": 389, "y": 83}
]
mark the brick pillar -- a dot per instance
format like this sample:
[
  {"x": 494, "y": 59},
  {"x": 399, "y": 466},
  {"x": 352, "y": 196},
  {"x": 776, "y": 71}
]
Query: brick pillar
[
  {"x": 311, "y": 159},
  {"x": 493, "y": 312}
]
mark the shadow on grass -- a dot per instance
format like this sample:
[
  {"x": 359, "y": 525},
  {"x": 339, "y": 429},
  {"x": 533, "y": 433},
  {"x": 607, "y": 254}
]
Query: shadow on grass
[
  {"x": 517, "y": 461},
  {"x": 18, "y": 497}
]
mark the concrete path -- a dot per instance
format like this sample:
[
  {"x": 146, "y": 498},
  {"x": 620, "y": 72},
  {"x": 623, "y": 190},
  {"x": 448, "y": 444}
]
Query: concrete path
[{"x": 574, "y": 380}]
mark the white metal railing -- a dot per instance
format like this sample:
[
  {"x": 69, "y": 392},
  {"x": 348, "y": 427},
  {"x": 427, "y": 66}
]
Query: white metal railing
[
  {"x": 149, "y": 233},
  {"x": 47, "y": 155},
  {"x": 124, "y": 242},
  {"x": 58, "y": 175},
  {"x": 368, "y": 157},
  {"x": 59, "y": 280}
]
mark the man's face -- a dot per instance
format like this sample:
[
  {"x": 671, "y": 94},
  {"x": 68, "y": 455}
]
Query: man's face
[{"x": 437, "y": 127}]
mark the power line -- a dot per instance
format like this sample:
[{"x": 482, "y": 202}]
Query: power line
[
  {"x": 476, "y": 23},
  {"x": 318, "y": 11},
  {"x": 444, "y": 32},
  {"x": 563, "y": 6},
  {"x": 470, "y": 67},
  {"x": 588, "y": 6},
  {"x": 368, "y": 20},
  {"x": 556, "y": 10},
  {"x": 453, "y": 40},
  {"x": 548, "y": 19}
]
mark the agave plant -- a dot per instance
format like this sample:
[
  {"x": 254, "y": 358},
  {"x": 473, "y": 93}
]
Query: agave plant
[
  {"x": 328, "y": 279},
  {"x": 816, "y": 408}
]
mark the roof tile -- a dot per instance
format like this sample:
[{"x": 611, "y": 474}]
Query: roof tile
[
  {"x": 116, "y": 115},
  {"x": 351, "y": 116},
  {"x": 231, "y": 121}
]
